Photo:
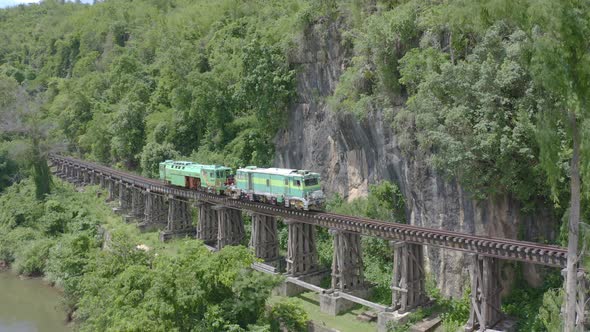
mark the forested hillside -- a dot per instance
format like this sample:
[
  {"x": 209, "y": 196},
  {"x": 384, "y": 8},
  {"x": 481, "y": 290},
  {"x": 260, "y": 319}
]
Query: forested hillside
[
  {"x": 134, "y": 81},
  {"x": 475, "y": 110}
]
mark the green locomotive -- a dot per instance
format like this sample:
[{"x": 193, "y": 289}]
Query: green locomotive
[
  {"x": 211, "y": 178},
  {"x": 299, "y": 189},
  {"x": 293, "y": 188}
]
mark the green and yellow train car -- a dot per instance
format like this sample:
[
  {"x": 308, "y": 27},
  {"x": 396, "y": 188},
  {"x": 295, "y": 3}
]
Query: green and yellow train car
[
  {"x": 211, "y": 178},
  {"x": 289, "y": 187}
]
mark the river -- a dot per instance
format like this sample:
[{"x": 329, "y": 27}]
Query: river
[{"x": 29, "y": 306}]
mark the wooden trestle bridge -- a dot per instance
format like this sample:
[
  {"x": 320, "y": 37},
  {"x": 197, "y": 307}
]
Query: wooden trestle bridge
[{"x": 220, "y": 223}]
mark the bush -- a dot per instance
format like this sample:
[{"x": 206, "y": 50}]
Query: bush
[
  {"x": 288, "y": 314},
  {"x": 32, "y": 260}
]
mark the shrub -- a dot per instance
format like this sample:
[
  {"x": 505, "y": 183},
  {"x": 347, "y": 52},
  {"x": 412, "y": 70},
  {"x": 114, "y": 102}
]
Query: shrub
[
  {"x": 288, "y": 314},
  {"x": 33, "y": 258}
]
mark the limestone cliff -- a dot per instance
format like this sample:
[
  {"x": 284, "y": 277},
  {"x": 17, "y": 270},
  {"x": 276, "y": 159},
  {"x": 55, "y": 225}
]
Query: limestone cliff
[{"x": 352, "y": 153}]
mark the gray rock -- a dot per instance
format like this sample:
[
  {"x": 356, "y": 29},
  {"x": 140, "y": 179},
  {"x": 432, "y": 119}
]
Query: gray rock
[{"x": 352, "y": 153}]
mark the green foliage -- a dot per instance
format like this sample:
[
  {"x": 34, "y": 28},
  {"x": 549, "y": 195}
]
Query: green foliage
[
  {"x": 288, "y": 314},
  {"x": 8, "y": 169},
  {"x": 32, "y": 259},
  {"x": 123, "y": 287},
  {"x": 455, "y": 312},
  {"x": 531, "y": 306},
  {"x": 550, "y": 311},
  {"x": 201, "y": 79},
  {"x": 477, "y": 115},
  {"x": 384, "y": 202},
  {"x": 131, "y": 289},
  {"x": 153, "y": 154}
]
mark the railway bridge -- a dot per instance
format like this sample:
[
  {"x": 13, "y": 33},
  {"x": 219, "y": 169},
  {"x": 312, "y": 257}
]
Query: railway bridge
[{"x": 158, "y": 206}]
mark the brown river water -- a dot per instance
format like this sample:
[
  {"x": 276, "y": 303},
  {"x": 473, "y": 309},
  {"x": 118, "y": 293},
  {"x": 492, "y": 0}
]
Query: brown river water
[{"x": 29, "y": 305}]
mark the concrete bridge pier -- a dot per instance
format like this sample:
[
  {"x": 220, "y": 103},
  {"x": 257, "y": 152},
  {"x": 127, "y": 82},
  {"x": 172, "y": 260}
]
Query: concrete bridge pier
[
  {"x": 137, "y": 203},
  {"x": 485, "y": 309},
  {"x": 408, "y": 289},
  {"x": 265, "y": 239},
  {"x": 179, "y": 219},
  {"x": 207, "y": 224},
  {"x": 347, "y": 273},
  {"x": 230, "y": 226},
  {"x": 155, "y": 212}
]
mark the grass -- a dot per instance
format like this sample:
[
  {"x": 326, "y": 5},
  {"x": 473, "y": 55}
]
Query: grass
[{"x": 345, "y": 322}]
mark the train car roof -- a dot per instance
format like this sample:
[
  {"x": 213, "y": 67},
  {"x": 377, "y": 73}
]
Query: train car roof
[
  {"x": 276, "y": 171},
  {"x": 192, "y": 164}
]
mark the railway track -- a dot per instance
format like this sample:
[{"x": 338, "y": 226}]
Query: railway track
[{"x": 503, "y": 248}]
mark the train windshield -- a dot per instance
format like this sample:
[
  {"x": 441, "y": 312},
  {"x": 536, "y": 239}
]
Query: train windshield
[{"x": 311, "y": 182}]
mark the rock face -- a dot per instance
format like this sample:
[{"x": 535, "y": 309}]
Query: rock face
[{"x": 352, "y": 153}]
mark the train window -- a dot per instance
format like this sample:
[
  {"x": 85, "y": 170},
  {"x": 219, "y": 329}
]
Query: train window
[
  {"x": 267, "y": 182},
  {"x": 297, "y": 183},
  {"x": 286, "y": 182},
  {"x": 311, "y": 182}
]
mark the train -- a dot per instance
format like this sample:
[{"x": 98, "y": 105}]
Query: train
[{"x": 291, "y": 188}]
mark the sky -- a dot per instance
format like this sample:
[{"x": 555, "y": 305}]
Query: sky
[{"x": 7, "y": 3}]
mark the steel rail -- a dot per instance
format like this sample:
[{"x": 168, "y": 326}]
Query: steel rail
[{"x": 503, "y": 248}]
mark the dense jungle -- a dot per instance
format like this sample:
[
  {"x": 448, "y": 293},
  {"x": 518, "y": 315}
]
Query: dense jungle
[{"x": 470, "y": 116}]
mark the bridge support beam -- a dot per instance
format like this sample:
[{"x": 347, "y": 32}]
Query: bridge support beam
[
  {"x": 137, "y": 203},
  {"x": 124, "y": 198},
  {"x": 302, "y": 258},
  {"x": 302, "y": 255},
  {"x": 207, "y": 224},
  {"x": 265, "y": 239},
  {"x": 93, "y": 179},
  {"x": 408, "y": 283},
  {"x": 179, "y": 219},
  {"x": 230, "y": 226},
  {"x": 67, "y": 170},
  {"x": 347, "y": 264},
  {"x": 112, "y": 190},
  {"x": 485, "y": 293},
  {"x": 155, "y": 212},
  {"x": 74, "y": 174},
  {"x": 347, "y": 273}
]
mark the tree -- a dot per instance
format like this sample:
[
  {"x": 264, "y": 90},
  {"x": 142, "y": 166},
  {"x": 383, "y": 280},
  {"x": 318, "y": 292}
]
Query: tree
[
  {"x": 21, "y": 116},
  {"x": 561, "y": 62},
  {"x": 8, "y": 169},
  {"x": 128, "y": 133},
  {"x": 153, "y": 154}
]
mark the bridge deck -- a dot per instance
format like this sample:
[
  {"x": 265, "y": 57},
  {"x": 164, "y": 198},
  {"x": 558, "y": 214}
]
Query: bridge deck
[{"x": 509, "y": 249}]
